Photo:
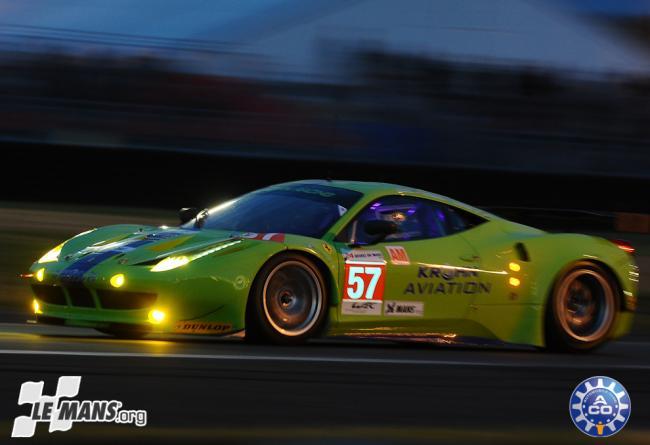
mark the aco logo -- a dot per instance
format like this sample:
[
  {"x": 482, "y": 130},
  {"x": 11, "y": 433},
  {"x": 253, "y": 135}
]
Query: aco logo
[{"x": 600, "y": 406}]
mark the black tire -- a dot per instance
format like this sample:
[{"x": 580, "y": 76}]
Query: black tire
[
  {"x": 124, "y": 332},
  {"x": 288, "y": 301},
  {"x": 582, "y": 309}
]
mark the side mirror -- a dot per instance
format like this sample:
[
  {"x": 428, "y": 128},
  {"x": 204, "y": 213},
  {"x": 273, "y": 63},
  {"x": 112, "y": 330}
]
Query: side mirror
[
  {"x": 187, "y": 214},
  {"x": 380, "y": 228}
]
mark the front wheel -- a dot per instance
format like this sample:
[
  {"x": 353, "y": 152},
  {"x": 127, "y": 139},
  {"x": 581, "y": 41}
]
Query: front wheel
[
  {"x": 582, "y": 309},
  {"x": 288, "y": 301}
]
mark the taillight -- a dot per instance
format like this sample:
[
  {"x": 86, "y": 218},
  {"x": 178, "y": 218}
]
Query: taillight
[{"x": 624, "y": 245}]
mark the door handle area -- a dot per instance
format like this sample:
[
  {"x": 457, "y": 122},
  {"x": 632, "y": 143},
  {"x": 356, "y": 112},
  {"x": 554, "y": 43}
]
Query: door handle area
[{"x": 470, "y": 258}]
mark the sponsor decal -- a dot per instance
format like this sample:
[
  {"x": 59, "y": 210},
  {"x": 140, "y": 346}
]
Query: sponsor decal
[
  {"x": 76, "y": 270},
  {"x": 199, "y": 327},
  {"x": 354, "y": 307},
  {"x": 363, "y": 256},
  {"x": 168, "y": 234},
  {"x": 277, "y": 237},
  {"x": 446, "y": 272},
  {"x": 447, "y": 280},
  {"x": 169, "y": 244},
  {"x": 61, "y": 413},
  {"x": 313, "y": 190},
  {"x": 600, "y": 406},
  {"x": 404, "y": 309},
  {"x": 398, "y": 255}
]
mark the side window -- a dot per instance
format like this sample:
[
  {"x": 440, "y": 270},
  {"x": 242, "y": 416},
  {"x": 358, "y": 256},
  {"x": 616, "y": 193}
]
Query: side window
[
  {"x": 416, "y": 218},
  {"x": 459, "y": 220}
]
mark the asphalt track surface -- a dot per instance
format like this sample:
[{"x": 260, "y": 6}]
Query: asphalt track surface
[{"x": 223, "y": 390}]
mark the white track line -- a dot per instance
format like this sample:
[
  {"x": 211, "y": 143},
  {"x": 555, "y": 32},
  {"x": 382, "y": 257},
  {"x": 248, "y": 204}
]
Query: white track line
[{"x": 316, "y": 359}]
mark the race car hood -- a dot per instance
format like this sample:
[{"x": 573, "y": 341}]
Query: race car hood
[{"x": 141, "y": 244}]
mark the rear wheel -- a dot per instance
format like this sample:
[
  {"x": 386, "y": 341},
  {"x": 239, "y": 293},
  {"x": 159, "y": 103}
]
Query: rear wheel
[
  {"x": 582, "y": 309},
  {"x": 288, "y": 301}
]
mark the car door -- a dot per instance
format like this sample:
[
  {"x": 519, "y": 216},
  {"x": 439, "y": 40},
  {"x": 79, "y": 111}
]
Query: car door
[{"x": 421, "y": 273}]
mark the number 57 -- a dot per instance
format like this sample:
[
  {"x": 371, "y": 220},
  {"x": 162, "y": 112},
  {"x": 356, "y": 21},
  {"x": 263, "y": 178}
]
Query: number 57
[{"x": 364, "y": 282}]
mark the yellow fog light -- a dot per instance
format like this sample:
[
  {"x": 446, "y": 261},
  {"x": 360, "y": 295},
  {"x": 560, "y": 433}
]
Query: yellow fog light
[
  {"x": 40, "y": 274},
  {"x": 117, "y": 280},
  {"x": 36, "y": 307},
  {"x": 156, "y": 316},
  {"x": 514, "y": 267},
  {"x": 514, "y": 281}
]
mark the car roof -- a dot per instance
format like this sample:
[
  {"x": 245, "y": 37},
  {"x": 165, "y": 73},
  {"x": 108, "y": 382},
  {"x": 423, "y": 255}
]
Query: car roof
[
  {"x": 383, "y": 188},
  {"x": 359, "y": 186}
]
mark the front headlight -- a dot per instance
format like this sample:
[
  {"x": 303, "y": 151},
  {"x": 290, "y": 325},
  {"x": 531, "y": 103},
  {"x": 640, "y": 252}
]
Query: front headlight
[
  {"x": 176, "y": 261},
  {"x": 52, "y": 255},
  {"x": 169, "y": 263}
]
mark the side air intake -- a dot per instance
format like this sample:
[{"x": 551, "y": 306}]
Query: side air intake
[{"x": 522, "y": 252}]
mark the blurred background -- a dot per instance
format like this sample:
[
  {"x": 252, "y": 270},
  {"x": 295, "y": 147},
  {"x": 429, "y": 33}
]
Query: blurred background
[
  {"x": 545, "y": 87},
  {"x": 537, "y": 110}
]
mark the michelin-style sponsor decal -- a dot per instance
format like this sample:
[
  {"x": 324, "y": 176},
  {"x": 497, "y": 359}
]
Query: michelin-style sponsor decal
[
  {"x": 398, "y": 255},
  {"x": 277, "y": 237},
  {"x": 198, "y": 327},
  {"x": 600, "y": 406},
  {"x": 404, "y": 309},
  {"x": 363, "y": 256},
  {"x": 361, "y": 307},
  {"x": 61, "y": 413},
  {"x": 447, "y": 280}
]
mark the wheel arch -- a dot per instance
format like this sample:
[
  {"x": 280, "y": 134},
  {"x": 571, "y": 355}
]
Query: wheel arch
[
  {"x": 595, "y": 261},
  {"x": 330, "y": 284},
  {"x": 567, "y": 267}
]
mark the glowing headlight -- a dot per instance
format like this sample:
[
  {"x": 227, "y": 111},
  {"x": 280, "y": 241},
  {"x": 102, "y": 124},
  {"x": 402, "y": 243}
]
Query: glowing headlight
[
  {"x": 40, "y": 274},
  {"x": 169, "y": 263},
  {"x": 36, "y": 307},
  {"x": 173, "y": 262},
  {"x": 52, "y": 255}
]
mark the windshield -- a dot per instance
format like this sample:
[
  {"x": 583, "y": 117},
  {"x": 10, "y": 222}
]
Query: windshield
[{"x": 301, "y": 209}]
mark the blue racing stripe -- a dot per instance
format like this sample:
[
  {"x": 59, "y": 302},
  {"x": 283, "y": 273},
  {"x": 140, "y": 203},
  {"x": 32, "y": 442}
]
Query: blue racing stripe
[{"x": 76, "y": 270}]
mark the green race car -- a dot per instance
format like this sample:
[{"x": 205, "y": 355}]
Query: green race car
[{"x": 341, "y": 258}]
